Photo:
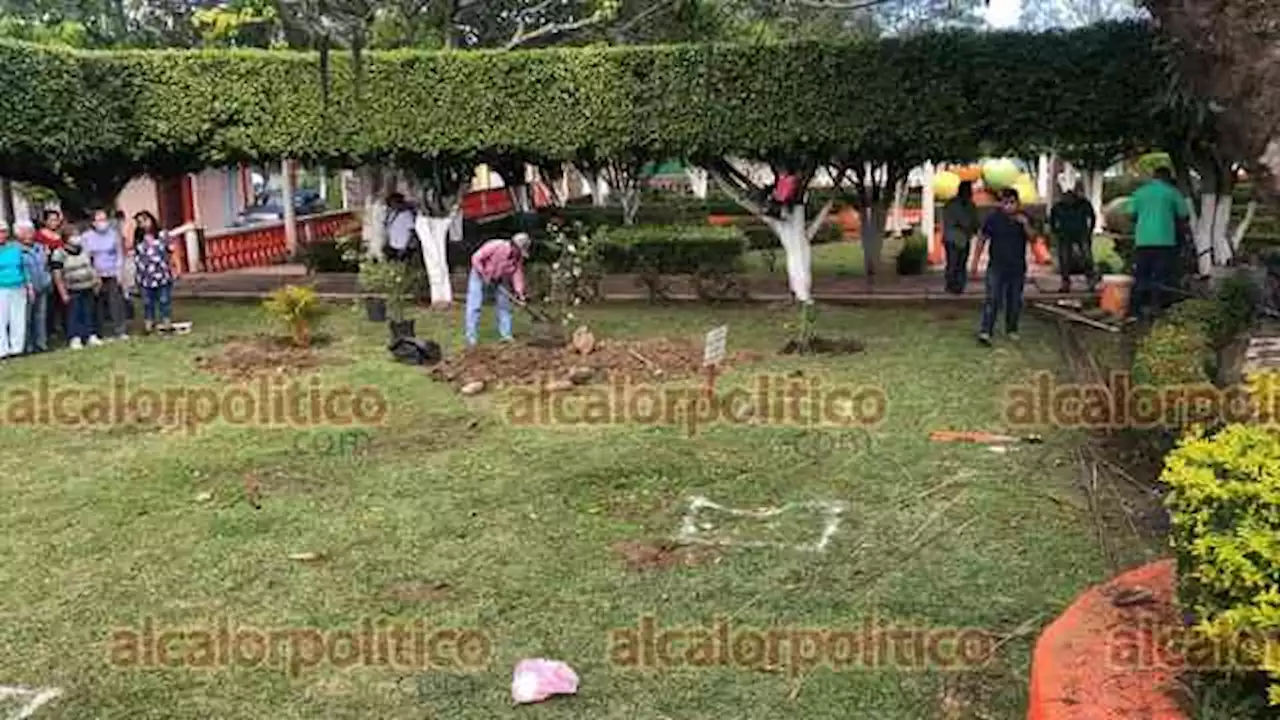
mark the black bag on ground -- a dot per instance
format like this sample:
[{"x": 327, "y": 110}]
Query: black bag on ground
[{"x": 415, "y": 352}]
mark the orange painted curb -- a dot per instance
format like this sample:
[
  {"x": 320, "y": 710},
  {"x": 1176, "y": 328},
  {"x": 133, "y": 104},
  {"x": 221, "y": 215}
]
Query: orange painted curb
[{"x": 1101, "y": 662}]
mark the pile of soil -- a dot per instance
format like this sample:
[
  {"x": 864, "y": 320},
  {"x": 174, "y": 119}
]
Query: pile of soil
[
  {"x": 638, "y": 556},
  {"x": 241, "y": 358},
  {"x": 649, "y": 360}
]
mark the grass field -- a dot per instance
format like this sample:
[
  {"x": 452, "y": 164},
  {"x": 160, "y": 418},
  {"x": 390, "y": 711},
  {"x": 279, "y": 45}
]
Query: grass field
[{"x": 448, "y": 515}]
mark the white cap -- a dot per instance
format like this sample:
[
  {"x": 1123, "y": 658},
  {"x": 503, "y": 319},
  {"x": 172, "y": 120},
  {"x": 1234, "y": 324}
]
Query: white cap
[
  {"x": 522, "y": 241},
  {"x": 24, "y": 225}
]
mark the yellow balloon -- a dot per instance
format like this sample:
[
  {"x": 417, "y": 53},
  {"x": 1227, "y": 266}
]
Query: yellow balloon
[
  {"x": 946, "y": 184},
  {"x": 1026, "y": 190}
]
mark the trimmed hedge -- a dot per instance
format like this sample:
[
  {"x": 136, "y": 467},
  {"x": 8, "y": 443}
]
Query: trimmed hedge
[
  {"x": 672, "y": 250},
  {"x": 903, "y": 99}
]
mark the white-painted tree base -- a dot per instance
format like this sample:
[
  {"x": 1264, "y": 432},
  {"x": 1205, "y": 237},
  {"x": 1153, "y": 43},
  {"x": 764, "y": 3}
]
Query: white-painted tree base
[
  {"x": 373, "y": 229},
  {"x": 433, "y": 234},
  {"x": 28, "y": 699},
  {"x": 696, "y": 531}
]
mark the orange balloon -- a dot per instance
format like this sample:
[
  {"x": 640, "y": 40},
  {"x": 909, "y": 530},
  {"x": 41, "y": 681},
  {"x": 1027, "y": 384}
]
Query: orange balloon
[{"x": 969, "y": 173}]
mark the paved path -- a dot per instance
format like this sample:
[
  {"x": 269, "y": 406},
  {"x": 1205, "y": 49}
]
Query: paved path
[{"x": 258, "y": 282}]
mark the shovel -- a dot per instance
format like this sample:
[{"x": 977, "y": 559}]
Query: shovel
[
  {"x": 546, "y": 332},
  {"x": 981, "y": 438}
]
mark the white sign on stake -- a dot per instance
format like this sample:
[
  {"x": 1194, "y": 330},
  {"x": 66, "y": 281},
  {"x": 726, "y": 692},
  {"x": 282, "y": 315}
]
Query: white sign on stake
[{"x": 713, "y": 352}]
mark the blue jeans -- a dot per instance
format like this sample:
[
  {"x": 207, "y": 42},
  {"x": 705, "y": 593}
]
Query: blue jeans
[
  {"x": 38, "y": 322},
  {"x": 476, "y": 290},
  {"x": 1004, "y": 291},
  {"x": 80, "y": 315},
  {"x": 157, "y": 298},
  {"x": 1152, "y": 268}
]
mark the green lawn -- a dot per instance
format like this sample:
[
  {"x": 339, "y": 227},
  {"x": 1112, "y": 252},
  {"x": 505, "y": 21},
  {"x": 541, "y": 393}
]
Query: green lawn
[{"x": 511, "y": 531}]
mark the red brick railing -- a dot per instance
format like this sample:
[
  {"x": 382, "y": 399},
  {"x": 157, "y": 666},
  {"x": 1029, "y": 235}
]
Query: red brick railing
[
  {"x": 261, "y": 245},
  {"x": 264, "y": 244}
]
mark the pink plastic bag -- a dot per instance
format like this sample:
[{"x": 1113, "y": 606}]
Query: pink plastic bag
[{"x": 538, "y": 679}]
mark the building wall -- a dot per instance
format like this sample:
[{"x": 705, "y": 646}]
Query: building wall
[
  {"x": 217, "y": 197},
  {"x": 138, "y": 195}
]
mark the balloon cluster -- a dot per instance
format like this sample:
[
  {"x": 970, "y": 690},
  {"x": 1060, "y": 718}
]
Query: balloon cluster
[{"x": 992, "y": 175}]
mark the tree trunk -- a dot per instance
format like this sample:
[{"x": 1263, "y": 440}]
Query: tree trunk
[
  {"x": 6, "y": 195},
  {"x": 630, "y": 205},
  {"x": 698, "y": 182},
  {"x": 371, "y": 180},
  {"x": 290, "y": 212},
  {"x": 599, "y": 189},
  {"x": 433, "y": 233},
  {"x": 873, "y": 216},
  {"x": 796, "y": 244},
  {"x": 1093, "y": 181},
  {"x": 521, "y": 197}
]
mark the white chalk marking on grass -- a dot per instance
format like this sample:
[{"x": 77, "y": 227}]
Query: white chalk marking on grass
[
  {"x": 35, "y": 699},
  {"x": 690, "y": 534}
]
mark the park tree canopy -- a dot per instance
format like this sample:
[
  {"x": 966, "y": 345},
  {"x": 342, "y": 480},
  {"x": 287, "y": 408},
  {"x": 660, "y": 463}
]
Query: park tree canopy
[{"x": 933, "y": 96}]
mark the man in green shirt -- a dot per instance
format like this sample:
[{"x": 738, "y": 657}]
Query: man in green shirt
[
  {"x": 1161, "y": 214},
  {"x": 959, "y": 225},
  {"x": 1072, "y": 221}
]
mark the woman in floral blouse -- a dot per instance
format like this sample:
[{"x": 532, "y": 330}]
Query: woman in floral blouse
[{"x": 153, "y": 274}]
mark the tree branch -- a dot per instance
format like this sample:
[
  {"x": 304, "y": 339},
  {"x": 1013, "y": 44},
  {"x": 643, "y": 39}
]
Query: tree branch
[
  {"x": 820, "y": 220},
  {"x": 859, "y": 5},
  {"x": 552, "y": 28},
  {"x": 1243, "y": 227},
  {"x": 733, "y": 190}
]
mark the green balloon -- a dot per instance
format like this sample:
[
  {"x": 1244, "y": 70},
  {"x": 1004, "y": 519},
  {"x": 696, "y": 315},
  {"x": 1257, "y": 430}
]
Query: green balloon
[{"x": 1000, "y": 174}]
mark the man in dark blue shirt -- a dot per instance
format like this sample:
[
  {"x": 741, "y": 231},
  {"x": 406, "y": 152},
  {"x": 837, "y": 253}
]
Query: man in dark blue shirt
[{"x": 1006, "y": 231}]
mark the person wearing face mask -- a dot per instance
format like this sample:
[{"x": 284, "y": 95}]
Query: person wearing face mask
[
  {"x": 106, "y": 250},
  {"x": 50, "y": 234},
  {"x": 39, "y": 277}
]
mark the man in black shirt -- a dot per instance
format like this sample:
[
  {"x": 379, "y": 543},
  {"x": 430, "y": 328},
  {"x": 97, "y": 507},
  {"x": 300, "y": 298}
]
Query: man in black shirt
[{"x": 1006, "y": 231}]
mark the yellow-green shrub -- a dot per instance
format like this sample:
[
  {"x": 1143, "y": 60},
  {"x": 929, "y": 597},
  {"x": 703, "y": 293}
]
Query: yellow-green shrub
[{"x": 1225, "y": 507}]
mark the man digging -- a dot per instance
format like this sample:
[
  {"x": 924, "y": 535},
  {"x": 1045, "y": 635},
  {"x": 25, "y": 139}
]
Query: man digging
[{"x": 499, "y": 266}]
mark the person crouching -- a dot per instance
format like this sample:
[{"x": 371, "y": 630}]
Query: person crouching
[{"x": 497, "y": 265}]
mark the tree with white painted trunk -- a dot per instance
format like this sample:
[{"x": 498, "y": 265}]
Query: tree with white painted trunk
[
  {"x": 790, "y": 224},
  {"x": 443, "y": 182}
]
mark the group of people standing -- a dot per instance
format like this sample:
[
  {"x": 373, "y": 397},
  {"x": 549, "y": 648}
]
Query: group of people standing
[
  {"x": 1160, "y": 212},
  {"x": 55, "y": 281}
]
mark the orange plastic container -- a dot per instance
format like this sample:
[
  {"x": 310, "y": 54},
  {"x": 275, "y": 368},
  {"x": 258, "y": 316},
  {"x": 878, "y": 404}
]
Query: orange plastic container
[{"x": 1115, "y": 294}]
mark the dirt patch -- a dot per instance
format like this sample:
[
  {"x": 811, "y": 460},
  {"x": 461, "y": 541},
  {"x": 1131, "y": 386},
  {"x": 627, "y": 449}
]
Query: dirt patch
[
  {"x": 649, "y": 360},
  {"x": 417, "y": 591},
  {"x": 242, "y": 358},
  {"x": 640, "y": 556},
  {"x": 824, "y": 346}
]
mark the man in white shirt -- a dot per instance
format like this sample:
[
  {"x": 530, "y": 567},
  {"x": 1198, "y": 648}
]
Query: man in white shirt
[{"x": 400, "y": 220}]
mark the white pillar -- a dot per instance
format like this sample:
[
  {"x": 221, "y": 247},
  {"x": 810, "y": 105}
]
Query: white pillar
[
  {"x": 290, "y": 216},
  {"x": 927, "y": 207},
  {"x": 1049, "y": 180}
]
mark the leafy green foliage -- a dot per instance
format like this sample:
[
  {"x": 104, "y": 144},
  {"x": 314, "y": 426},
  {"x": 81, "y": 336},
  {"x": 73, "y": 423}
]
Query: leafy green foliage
[
  {"x": 392, "y": 280},
  {"x": 914, "y": 255},
  {"x": 673, "y": 250},
  {"x": 297, "y": 308},
  {"x": 931, "y": 95},
  {"x": 1225, "y": 507}
]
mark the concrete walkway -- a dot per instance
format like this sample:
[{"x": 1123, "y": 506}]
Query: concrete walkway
[{"x": 259, "y": 282}]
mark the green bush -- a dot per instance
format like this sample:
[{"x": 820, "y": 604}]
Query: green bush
[
  {"x": 80, "y": 110},
  {"x": 1224, "y": 502},
  {"x": 1237, "y": 301},
  {"x": 328, "y": 256},
  {"x": 1173, "y": 353},
  {"x": 672, "y": 250},
  {"x": 914, "y": 255}
]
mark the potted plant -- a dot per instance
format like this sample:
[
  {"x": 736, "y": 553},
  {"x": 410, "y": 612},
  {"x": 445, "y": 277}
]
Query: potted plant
[
  {"x": 393, "y": 283},
  {"x": 371, "y": 280}
]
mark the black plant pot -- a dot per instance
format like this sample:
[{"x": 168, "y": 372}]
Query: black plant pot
[
  {"x": 401, "y": 329},
  {"x": 376, "y": 309}
]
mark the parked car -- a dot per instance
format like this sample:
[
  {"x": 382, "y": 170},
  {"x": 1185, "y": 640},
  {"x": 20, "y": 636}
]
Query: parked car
[{"x": 267, "y": 207}]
